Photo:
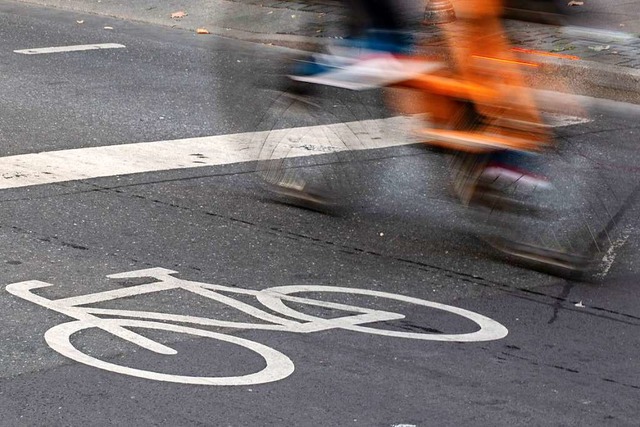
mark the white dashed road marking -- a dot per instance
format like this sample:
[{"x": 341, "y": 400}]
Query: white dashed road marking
[{"x": 76, "y": 48}]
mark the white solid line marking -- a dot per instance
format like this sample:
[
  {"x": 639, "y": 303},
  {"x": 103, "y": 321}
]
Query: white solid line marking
[
  {"x": 125, "y": 159},
  {"x": 75, "y": 48},
  {"x": 95, "y": 162}
]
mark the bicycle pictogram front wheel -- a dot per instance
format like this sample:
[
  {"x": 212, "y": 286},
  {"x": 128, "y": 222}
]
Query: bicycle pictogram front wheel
[{"x": 274, "y": 298}]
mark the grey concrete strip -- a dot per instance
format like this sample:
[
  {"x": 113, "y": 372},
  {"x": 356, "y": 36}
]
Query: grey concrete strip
[
  {"x": 606, "y": 69},
  {"x": 590, "y": 78}
]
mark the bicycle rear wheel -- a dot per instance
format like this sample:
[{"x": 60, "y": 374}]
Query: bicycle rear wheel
[{"x": 308, "y": 143}]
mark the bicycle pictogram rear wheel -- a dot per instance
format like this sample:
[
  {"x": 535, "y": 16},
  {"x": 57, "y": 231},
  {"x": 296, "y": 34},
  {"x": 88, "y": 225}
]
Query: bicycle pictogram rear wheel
[{"x": 278, "y": 366}]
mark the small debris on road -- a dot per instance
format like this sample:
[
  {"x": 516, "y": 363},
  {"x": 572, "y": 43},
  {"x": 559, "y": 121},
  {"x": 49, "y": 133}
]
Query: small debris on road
[
  {"x": 202, "y": 31},
  {"x": 178, "y": 15}
]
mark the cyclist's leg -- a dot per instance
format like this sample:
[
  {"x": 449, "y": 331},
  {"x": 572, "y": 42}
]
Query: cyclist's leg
[
  {"x": 482, "y": 55},
  {"x": 382, "y": 14},
  {"x": 386, "y": 30},
  {"x": 357, "y": 19}
]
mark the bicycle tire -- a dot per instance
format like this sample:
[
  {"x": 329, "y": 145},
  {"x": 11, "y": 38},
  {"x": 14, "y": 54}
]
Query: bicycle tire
[
  {"x": 306, "y": 144},
  {"x": 558, "y": 232}
]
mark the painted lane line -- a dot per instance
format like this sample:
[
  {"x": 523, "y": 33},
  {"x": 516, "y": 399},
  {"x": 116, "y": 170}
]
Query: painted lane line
[
  {"x": 125, "y": 159},
  {"x": 75, "y": 48}
]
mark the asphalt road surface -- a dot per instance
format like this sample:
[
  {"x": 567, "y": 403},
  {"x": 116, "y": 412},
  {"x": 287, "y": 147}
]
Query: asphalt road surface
[{"x": 195, "y": 337}]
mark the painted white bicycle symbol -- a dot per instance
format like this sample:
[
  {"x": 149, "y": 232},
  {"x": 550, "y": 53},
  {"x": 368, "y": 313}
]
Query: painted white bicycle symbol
[{"x": 278, "y": 365}]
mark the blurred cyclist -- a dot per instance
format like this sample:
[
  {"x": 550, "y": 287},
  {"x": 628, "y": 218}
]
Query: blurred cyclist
[{"x": 377, "y": 53}]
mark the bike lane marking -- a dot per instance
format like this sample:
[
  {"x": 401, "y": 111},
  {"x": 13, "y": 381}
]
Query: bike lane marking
[
  {"x": 125, "y": 159},
  {"x": 74, "y": 48},
  {"x": 278, "y": 365}
]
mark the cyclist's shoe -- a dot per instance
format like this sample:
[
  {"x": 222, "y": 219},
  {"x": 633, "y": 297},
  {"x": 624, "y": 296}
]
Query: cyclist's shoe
[
  {"x": 358, "y": 64},
  {"x": 508, "y": 177},
  {"x": 304, "y": 195},
  {"x": 505, "y": 187},
  {"x": 554, "y": 261},
  {"x": 320, "y": 63}
]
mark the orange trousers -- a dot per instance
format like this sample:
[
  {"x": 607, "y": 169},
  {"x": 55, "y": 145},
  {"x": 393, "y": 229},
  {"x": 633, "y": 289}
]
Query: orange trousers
[
  {"x": 482, "y": 62},
  {"x": 481, "y": 54}
]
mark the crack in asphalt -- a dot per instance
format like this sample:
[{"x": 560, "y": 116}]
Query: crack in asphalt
[
  {"x": 515, "y": 291},
  {"x": 566, "y": 369},
  {"x": 564, "y": 294}
]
